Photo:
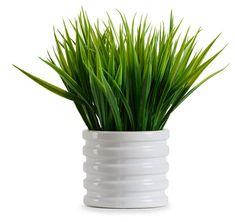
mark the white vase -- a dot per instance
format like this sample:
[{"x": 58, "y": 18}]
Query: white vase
[{"x": 125, "y": 169}]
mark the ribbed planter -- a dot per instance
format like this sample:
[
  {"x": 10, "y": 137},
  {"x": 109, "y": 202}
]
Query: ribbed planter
[{"x": 125, "y": 169}]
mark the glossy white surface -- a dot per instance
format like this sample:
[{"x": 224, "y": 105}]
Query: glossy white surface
[{"x": 125, "y": 169}]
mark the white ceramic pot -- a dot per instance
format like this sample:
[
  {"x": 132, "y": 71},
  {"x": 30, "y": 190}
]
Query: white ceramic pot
[{"x": 125, "y": 169}]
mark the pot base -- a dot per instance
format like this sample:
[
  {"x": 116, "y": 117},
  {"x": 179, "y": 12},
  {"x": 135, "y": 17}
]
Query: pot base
[{"x": 118, "y": 204}]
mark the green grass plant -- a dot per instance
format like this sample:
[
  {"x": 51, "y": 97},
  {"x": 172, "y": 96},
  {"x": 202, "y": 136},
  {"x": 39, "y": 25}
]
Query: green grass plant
[{"x": 126, "y": 78}]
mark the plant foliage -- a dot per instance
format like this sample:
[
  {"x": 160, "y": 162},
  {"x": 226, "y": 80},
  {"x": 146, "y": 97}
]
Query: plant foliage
[{"x": 127, "y": 78}]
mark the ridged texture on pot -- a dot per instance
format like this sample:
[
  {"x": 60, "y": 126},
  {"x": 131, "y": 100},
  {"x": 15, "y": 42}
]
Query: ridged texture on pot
[{"x": 125, "y": 169}]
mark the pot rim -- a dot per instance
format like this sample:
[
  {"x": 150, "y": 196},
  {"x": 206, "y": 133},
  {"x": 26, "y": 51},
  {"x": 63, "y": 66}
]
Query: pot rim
[
  {"x": 154, "y": 135},
  {"x": 126, "y": 131}
]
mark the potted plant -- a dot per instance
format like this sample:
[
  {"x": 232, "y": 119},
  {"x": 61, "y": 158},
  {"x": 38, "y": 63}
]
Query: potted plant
[{"x": 125, "y": 83}]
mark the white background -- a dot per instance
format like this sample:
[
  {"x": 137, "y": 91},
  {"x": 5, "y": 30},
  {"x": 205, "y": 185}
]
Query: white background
[{"x": 40, "y": 133}]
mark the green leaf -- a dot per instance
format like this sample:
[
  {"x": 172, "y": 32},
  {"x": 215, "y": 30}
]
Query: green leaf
[{"x": 49, "y": 86}]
